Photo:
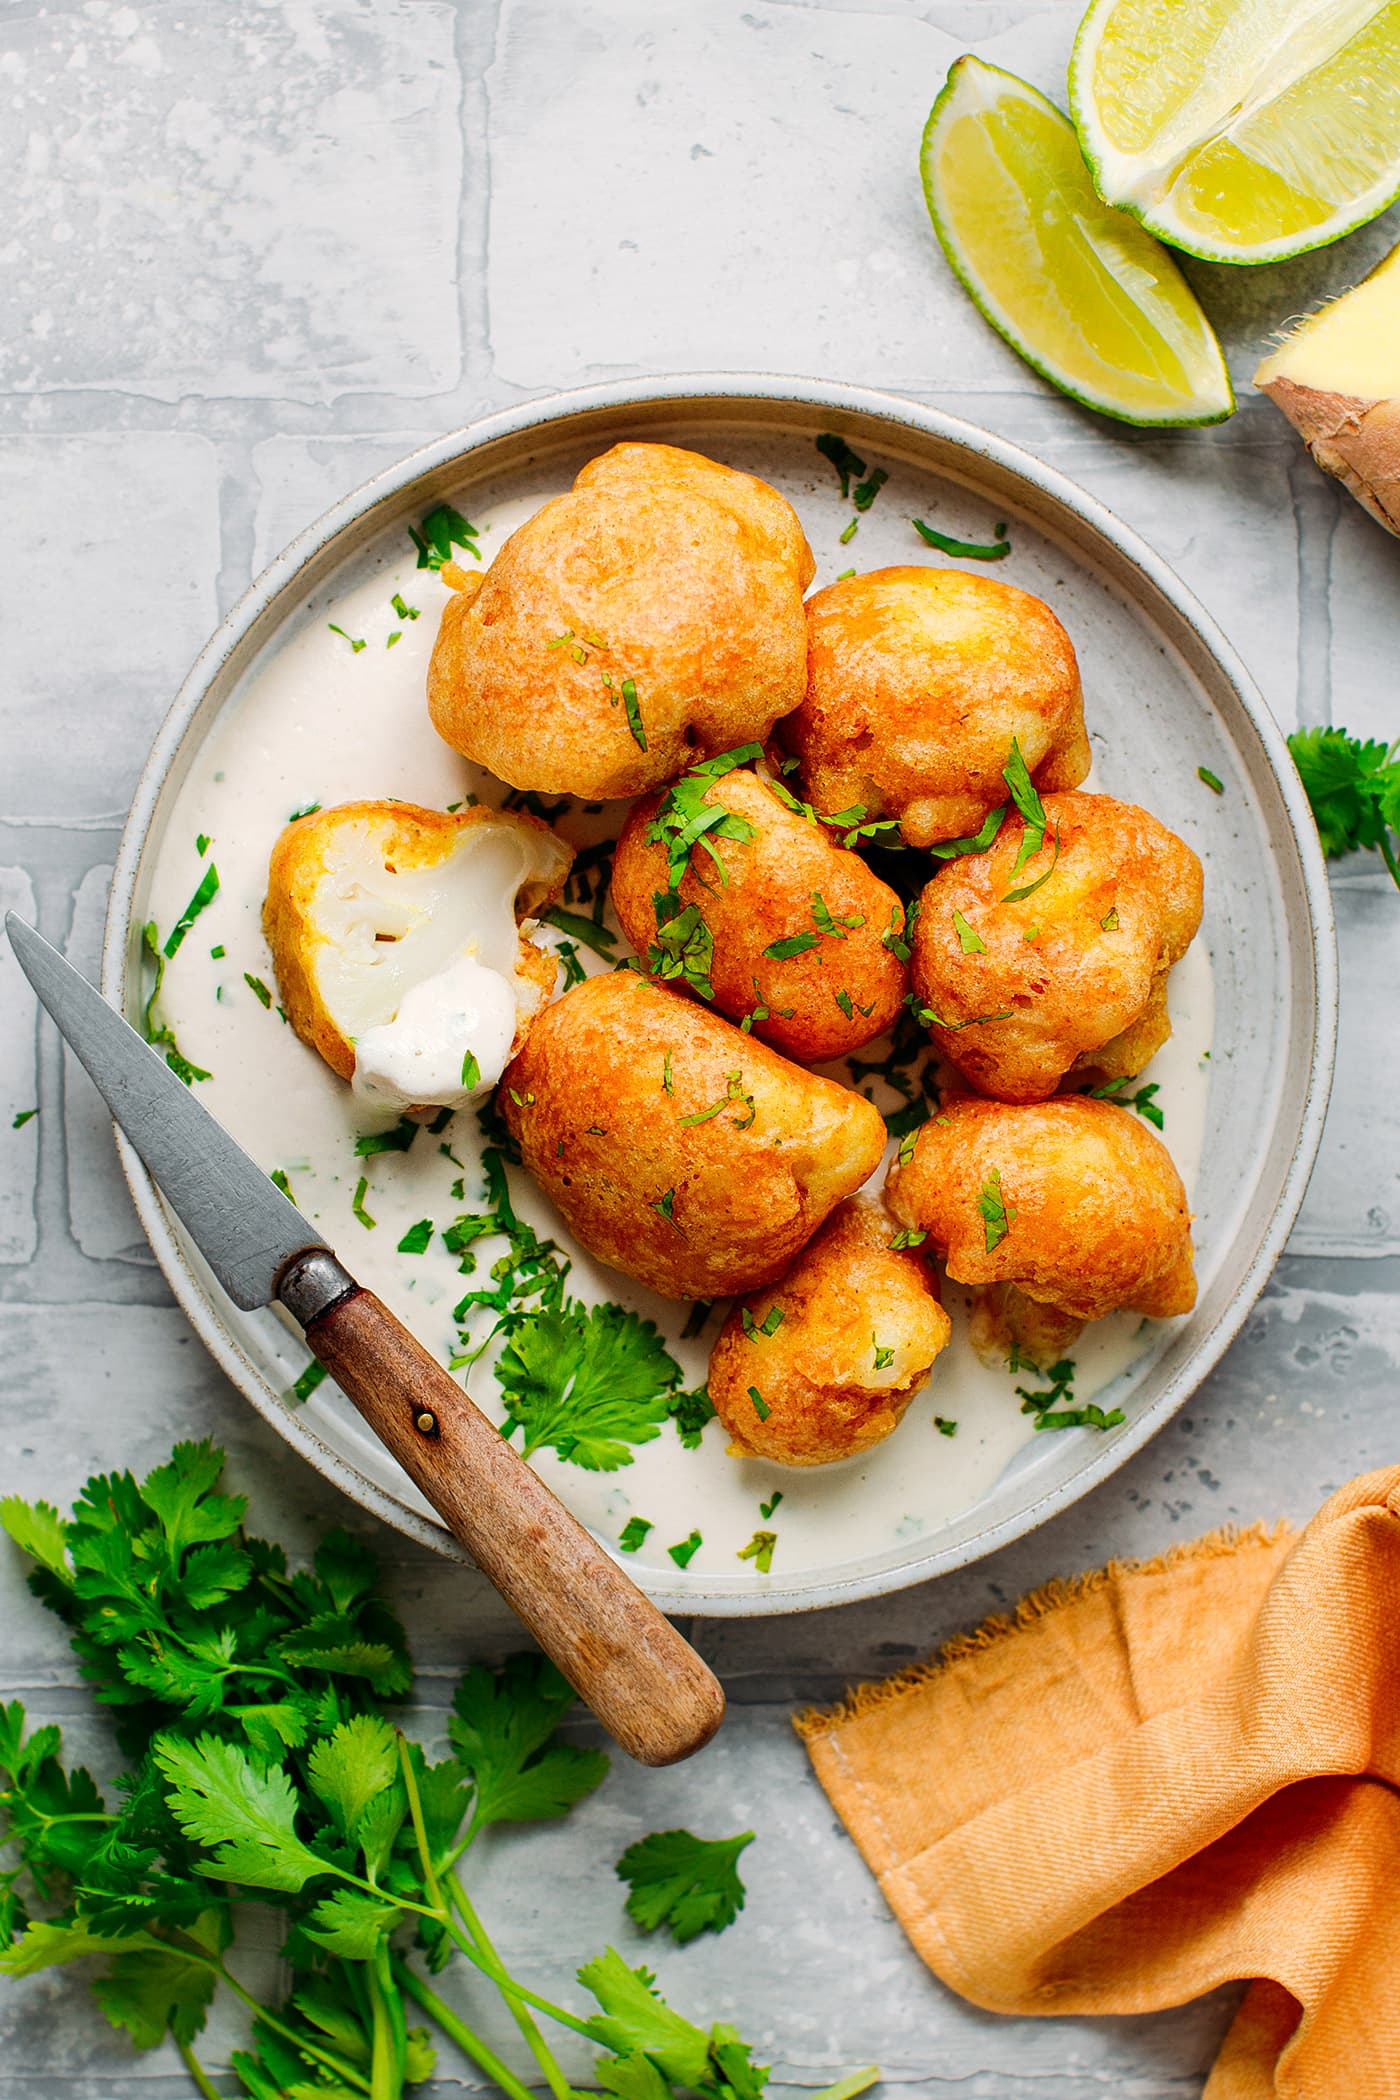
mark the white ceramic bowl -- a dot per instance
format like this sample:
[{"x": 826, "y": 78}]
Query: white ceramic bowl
[{"x": 1165, "y": 693}]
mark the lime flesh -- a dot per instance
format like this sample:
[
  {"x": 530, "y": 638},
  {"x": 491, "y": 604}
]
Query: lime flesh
[
  {"x": 1083, "y": 294},
  {"x": 1241, "y": 130}
]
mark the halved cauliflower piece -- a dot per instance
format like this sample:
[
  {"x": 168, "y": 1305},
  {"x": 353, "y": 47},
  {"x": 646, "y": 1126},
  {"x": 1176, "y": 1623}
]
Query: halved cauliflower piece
[
  {"x": 823, "y": 1364},
  {"x": 397, "y": 938}
]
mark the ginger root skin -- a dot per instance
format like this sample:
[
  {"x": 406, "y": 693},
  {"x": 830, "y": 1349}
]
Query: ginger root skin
[{"x": 1337, "y": 379}]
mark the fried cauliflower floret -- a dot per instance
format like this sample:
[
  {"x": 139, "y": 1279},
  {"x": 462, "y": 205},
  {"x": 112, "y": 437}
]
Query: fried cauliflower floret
[
  {"x": 1073, "y": 977},
  {"x": 917, "y": 681},
  {"x": 1075, "y": 1203},
  {"x": 836, "y": 1350},
  {"x": 651, "y": 616},
  {"x": 678, "y": 1150},
  {"x": 396, "y": 939},
  {"x": 761, "y": 876}
]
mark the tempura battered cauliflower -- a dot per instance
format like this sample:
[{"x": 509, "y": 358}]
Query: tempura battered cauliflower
[
  {"x": 835, "y": 1350},
  {"x": 650, "y": 616},
  {"x": 784, "y": 884},
  {"x": 677, "y": 1149},
  {"x": 1075, "y": 1202},
  {"x": 396, "y": 939},
  {"x": 1073, "y": 977},
  {"x": 918, "y": 679}
]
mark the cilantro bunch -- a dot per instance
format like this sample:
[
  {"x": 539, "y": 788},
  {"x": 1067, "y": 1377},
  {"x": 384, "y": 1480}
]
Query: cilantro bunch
[
  {"x": 1353, "y": 785},
  {"x": 257, "y": 1708}
]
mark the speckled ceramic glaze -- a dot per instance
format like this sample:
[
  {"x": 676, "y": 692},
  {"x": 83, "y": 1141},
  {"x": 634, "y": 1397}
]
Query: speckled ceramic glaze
[{"x": 1165, "y": 695}]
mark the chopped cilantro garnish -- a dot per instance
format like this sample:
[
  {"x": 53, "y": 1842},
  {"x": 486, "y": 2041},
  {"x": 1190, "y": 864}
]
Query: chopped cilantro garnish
[
  {"x": 978, "y": 842},
  {"x": 664, "y": 1205},
  {"x": 843, "y": 1000},
  {"x": 795, "y": 944},
  {"x": 418, "y": 1238},
  {"x": 909, "y": 1236},
  {"x": 824, "y": 921},
  {"x": 586, "y": 1381},
  {"x": 760, "y": 1550},
  {"x": 26, "y": 1115},
  {"x": 398, "y": 1139},
  {"x": 969, "y": 940},
  {"x": 357, "y": 1203},
  {"x": 684, "y": 947},
  {"x": 471, "y": 1072},
  {"x": 218, "y": 953},
  {"x": 633, "y": 1533},
  {"x": 997, "y": 1215},
  {"x": 695, "y": 1319},
  {"x": 307, "y": 809},
  {"x": 207, "y": 891},
  {"x": 1029, "y": 889},
  {"x": 690, "y": 1412},
  {"x": 634, "y": 712},
  {"x": 684, "y": 819},
  {"x": 760, "y": 1405},
  {"x": 404, "y": 612},
  {"x": 440, "y": 1122},
  {"x": 441, "y": 531},
  {"x": 768, "y": 1326},
  {"x": 901, "y": 1121},
  {"x": 906, "y": 1149},
  {"x": 895, "y": 936},
  {"x": 685, "y": 1553},
  {"x": 668, "y": 1084},
  {"x": 1143, "y": 1100},
  {"x": 158, "y": 1032},
  {"x": 864, "y": 495},
  {"x": 257, "y": 988},
  {"x": 963, "y": 550},
  {"x": 202, "y": 844},
  {"x": 733, "y": 1092},
  {"x": 309, "y": 1380},
  {"x": 396, "y": 636},
  {"x": 846, "y": 462},
  {"x": 766, "y": 1509},
  {"x": 845, "y": 575},
  {"x": 944, "y": 1427},
  {"x": 355, "y": 645},
  {"x": 1109, "y": 921},
  {"x": 574, "y": 972},
  {"x": 593, "y": 936},
  {"x": 883, "y": 1357},
  {"x": 1049, "y": 1408},
  {"x": 278, "y": 1178},
  {"x": 930, "y": 1019},
  {"x": 851, "y": 530},
  {"x": 1212, "y": 780}
]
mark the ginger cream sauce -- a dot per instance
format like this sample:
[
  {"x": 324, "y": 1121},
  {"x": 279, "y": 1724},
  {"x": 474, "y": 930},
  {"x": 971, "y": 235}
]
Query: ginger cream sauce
[{"x": 319, "y": 721}]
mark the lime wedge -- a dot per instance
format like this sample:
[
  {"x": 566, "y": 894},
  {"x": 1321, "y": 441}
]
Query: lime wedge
[
  {"x": 1080, "y": 290},
  {"x": 1241, "y": 130}
]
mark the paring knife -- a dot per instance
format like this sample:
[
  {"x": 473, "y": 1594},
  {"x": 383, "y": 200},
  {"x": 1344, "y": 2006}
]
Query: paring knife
[{"x": 646, "y": 1684}]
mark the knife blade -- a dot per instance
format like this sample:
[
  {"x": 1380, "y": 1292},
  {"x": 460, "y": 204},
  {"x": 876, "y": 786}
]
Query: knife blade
[{"x": 641, "y": 1677}]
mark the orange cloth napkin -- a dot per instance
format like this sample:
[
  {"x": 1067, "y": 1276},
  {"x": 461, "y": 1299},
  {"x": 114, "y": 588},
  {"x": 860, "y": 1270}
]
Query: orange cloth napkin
[{"x": 1156, "y": 1779}]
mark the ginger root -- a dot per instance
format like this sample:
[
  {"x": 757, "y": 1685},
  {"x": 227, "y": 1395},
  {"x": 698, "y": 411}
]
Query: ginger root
[{"x": 1337, "y": 379}]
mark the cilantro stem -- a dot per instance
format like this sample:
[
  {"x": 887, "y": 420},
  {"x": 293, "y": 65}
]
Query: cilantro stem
[
  {"x": 457, "y": 2030},
  {"x": 325, "y": 2057},
  {"x": 505, "y": 1984},
  {"x": 197, "y": 2072},
  {"x": 463, "y": 1904},
  {"x": 390, "y": 2039}
]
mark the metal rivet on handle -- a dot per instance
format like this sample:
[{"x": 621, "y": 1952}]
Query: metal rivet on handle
[{"x": 427, "y": 1422}]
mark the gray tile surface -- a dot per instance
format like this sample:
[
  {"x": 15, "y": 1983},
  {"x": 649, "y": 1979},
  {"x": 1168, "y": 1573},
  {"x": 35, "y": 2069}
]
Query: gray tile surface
[{"x": 253, "y": 252}]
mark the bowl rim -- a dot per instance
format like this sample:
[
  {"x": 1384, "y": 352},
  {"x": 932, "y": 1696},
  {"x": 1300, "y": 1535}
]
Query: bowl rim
[{"x": 546, "y": 415}]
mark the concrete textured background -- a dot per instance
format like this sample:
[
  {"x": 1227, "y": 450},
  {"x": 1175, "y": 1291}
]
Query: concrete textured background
[{"x": 254, "y": 249}]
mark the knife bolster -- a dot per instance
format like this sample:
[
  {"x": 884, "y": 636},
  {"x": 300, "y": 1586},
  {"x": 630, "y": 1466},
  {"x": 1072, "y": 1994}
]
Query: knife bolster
[{"x": 312, "y": 1283}]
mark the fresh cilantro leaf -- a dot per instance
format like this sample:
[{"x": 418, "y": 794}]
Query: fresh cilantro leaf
[
  {"x": 964, "y": 550},
  {"x": 632, "y": 2077},
  {"x": 883, "y": 1357},
  {"x": 864, "y": 495},
  {"x": 588, "y": 1382},
  {"x": 969, "y": 940},
  {"x": 502, "y": 1729},
  {"x": 633, "y": 1533},
  {"x": 418, "y": 1238},
  {"x": 760, "y": 1551},
  {"x": 771, "y": 1322},
  {"x": 244, "y": 1814},
  {"x": 684, "y": 947},
  {"x": 205, "y": 894},
  {"x": 945, "y": 1427},
  {"x": 684, "y": 1553},
  {"x": 157, "y": 1031},
  {"x": 353, "y": 1923},
  {"x": 636, "y": 2019},
  {"x": 688, "y": 1883},
  {"x": 896, "y": 935},
  {"x": 997, "y": 1216},
  {"x": 1353, "y": 785},
  {"x": 441, "y": 531},
  {"x": 1144, "y": 1100},
  {"x": 686, "y": 818},
  {"x": 846, "y": 462},
  {"x": 690, "y": 1412},
  {"x": 351, "y": 1768},
  {"x": 154, "y": 1991},
  {"x": 397, "y": 1139},
  {"x": 356, "y": 643},
  {"x": 402, "y": 611},
  {"x": 257, "y": 988},
  {"x": 25, "y": 1115},
  {"x": 795, "y": 944},
  {"x": 908, "y": 1236},
  {"x": 978, "y": 842},
  {"x": 599, "y": 938},
  {"x": 38, "y": 1529}
]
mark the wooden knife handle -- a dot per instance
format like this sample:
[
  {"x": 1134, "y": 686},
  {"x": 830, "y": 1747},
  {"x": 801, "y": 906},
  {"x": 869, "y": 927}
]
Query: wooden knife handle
[{"x": 643, "y": 1680}]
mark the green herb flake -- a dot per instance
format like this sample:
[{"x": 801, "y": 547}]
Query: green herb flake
[
  {"x": 397, "y": 1139},
  {"x": 664, "y": 1205},
  {"x": 769, "y": 1325},
  {"x": 978, "y": 842},
  {"x": 208, "y": 889},
  {"x": 1054, "y": 1405},
  {"x": 586, "y": 931},
  {"x": 997, "y": 1215},
  {"x": 944, "y": 1426},
  {"x": 633, "y": 1534},
  {"x": 668, "y": 1084},
  {"x": 695, "y": 1319},
  {"x": 1109, "y": 921},
  {"x": 307, "y": 1383},
  {"x": 356, "y": 646},
  {"x": 760, "y": 1551},
  {"x": 26, "y": 1115},
  {"x": 441, "y": 531},
  {"x": 1212, "y": 780},
  {"x": 908, "y": 1236},
  {"x": 883, "y": 1357},
  {"x": 969, "y": 940},
  {"x": 634, "y": 712},
  {"x": 961, "y": 550},
  {"x": 201, "y": 844},
  {"x": 258, "y": 989},
  {"x": 849, "y": 534},
  {"x": 846, "y": 462},
  {"x": 402, "y": 611},
  {"x": 685, "y": 1552},
  {"x": 906, "y": 1149},
  {"x": 828, "y": 923},
  {"x": 794, "y": 944},
  {"x": 864, "y": 495},
  {"x": 896, "y": 934},
  {"x": 418, "y": 1238},
  {"x": 760, "y": 1405},
  {"x": 843, "y": 1000},
  {"x": 1143, "y": 1101},
  {"x": 396, "y": 636},
  {"x": 278, "y": 1178},
  {"x": 357, "y": 1204},
  {"x": 766, "y": 1509},
  {"x": 307, "y": 809},
  {"x": 471, "y": 1072},
  {"x": 157, "y": 1031},
  {"x": 845, "y": 575},
  {"x": 574, "y": 972},
  {"x": 218, "y": 954}
]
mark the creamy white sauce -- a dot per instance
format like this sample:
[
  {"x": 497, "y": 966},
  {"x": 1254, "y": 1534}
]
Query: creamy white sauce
[
  {"x": 420, "y": 1057},
  {"x": 318, "y": 723}
]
